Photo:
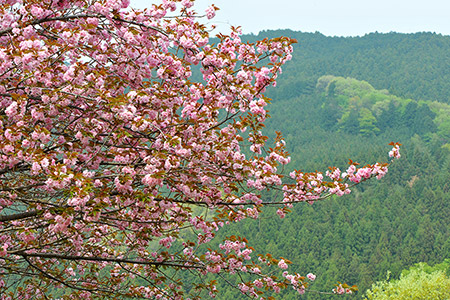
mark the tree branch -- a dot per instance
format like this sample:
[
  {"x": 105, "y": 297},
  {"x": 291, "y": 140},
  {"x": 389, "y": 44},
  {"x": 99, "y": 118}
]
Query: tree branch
[
  {"x": 19, "y": 216},
  {"x": 109, "y": 259}
]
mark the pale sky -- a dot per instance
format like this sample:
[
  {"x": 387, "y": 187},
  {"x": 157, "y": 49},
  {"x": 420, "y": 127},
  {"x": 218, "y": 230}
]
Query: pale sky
[{"x": 330, "y": 17}]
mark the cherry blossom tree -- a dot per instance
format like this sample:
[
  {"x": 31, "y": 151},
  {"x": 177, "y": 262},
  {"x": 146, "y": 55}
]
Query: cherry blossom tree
[{"x": 109, "y": 148}]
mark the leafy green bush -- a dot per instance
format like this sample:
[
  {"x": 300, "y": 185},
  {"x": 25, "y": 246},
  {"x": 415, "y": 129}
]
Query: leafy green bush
[{"x": 416, "y": 284}]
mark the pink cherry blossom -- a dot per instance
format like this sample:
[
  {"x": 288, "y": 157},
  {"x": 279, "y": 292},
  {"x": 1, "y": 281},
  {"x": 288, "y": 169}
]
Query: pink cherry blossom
[
  {"x": 210, "y": 12},
  {"x": 311, "y": 276},
  {"x": 282, "y": 264},
  {"x": 395, "y": 152}
]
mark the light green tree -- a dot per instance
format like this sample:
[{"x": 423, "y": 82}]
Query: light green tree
[
  {"x": 417, "y": 284},
  {"x": 367, "y": 123}
]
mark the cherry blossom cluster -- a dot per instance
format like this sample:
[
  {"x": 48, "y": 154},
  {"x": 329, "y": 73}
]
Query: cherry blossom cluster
[
  {"x": 311, "y": 187},
  {"x": 341, "y": 289},
  {"x": 395, "y": 152},
  {"x": 296, "y": 281},
  {"x": 114, "y": 154}
]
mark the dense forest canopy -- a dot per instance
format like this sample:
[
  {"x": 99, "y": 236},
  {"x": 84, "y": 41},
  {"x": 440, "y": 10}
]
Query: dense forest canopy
[{"x": 408, "y": 65}]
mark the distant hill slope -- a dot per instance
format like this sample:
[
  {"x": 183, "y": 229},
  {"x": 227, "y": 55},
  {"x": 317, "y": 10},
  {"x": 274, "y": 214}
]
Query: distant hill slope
[{"x": 408, "y": 65}]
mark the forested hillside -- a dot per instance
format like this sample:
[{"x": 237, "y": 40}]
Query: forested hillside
[
  {"x": 408, "y": 65},
  {"x": 343, "y": 98}
]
